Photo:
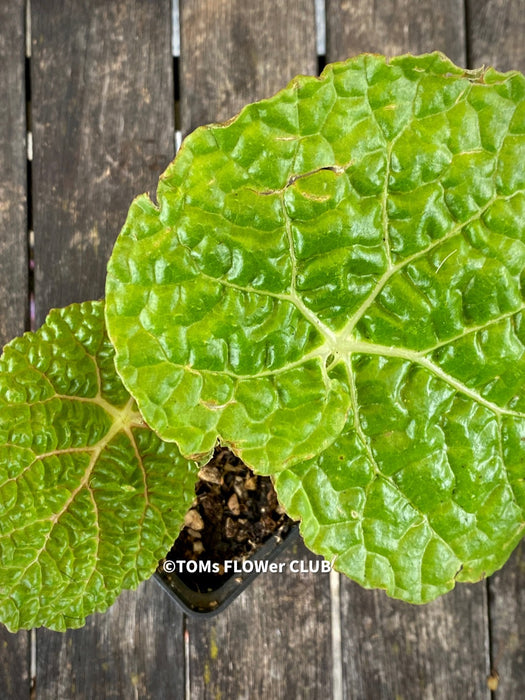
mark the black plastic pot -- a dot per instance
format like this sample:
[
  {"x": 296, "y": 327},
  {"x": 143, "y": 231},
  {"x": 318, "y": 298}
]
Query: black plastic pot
[{"x": 210, "y": 603}]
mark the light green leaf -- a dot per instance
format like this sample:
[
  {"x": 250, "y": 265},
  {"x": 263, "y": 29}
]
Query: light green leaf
[
  {"x": 90, "y": 497},
  {"x": 336, "y": 275}
]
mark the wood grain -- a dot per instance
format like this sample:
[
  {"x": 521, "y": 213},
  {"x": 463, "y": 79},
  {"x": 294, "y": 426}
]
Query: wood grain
[
  {"x": 393, "y": 27},
  {"x": 234, "y": 52},
  {"x": 13, "y": 174},
  {"x": 134, "y": 650},
  {"x": 102, "y": 82},
  {"x": 507, "y": 603},
  {"x": 396, "y": 650},
  {"x": 103, "y": 132},
  {"x": 496, "y": 34},
  {"x": 274, "y": 641},
  {"x": 14, "y": 648}
]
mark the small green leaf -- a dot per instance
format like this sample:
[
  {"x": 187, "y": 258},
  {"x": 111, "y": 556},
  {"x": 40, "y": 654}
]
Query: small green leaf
[
  {"x": 336, "y": 275},
  {"x": 90, "y": 497}
]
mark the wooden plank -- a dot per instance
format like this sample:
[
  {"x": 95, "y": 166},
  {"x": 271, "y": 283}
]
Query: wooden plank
[
  {"x": 392, "y": 649},
  {"x": 235, "y": 52},
  {"x": 133, "y": 650},
  {"x": 275, "y": 640},
  {"x": 103, "y": 132},
  {"x": 495, "y": 34},
  {"x": 14, "y": 657},
  {"x": 495, "y": 31},
  {"x": 393, "y": 27},
  {"x": 102, "y": 78},
  {"x": 13, "y": 173},
  {"x": 507, "y": 603},
  {"x": 396, "y": 650}
]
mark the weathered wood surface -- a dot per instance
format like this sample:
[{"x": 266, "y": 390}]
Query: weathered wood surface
[
  {"x": 103, "y": 118},
  {"x": 14, "y": 649},
  {"x": 102, "y": 108},
  {"x": 396, "y": 650},
  {"x": 274, "y": 641},
  {"x": 234, "y": 52},
  {"x": 395, "y": 26},
  {"x": 496, "y": 33},
  {"x": 103, "y": 125},
  {"x": 132, "y": 651},
  {"x": 13, "y": 175}
]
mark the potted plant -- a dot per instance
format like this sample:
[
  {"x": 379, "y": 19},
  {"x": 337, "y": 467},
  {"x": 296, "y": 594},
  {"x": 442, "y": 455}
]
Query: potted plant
[
  {"x": 232, "y": 533},
  {"x": 330, "y": 286}
]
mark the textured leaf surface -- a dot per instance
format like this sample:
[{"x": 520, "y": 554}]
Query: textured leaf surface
[
  {"x": 90, "y": 498},
  {"x": 336, "y": 275}
]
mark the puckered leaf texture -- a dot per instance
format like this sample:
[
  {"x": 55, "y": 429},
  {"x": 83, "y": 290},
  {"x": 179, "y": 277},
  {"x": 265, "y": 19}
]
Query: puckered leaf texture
[
  {"x": 332, "y": 284},
  {"x": 90, "y": 497}
]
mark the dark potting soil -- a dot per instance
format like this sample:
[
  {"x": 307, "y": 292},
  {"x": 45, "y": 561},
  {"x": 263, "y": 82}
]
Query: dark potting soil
[{"x": 233, "y": 514}]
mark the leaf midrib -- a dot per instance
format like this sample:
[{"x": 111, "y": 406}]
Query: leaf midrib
[{"x": 123, "y": 420}]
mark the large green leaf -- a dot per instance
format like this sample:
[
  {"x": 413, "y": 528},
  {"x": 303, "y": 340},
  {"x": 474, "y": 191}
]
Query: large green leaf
[
  {"x": 336, "y": 275},
  {"x": 90, "y": 498}
]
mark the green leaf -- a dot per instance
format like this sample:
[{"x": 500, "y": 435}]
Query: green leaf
[
  {"x": 90, "y": 497},
  {"x": 331, "y": 284}
]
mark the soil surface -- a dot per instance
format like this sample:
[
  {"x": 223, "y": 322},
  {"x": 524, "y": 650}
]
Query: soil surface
[{"x": 233, "y": 514}]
